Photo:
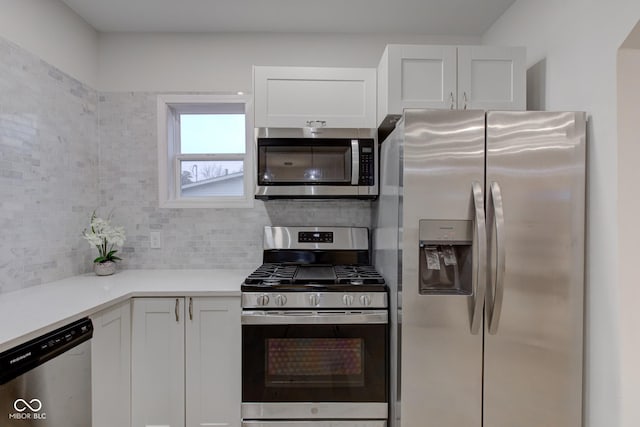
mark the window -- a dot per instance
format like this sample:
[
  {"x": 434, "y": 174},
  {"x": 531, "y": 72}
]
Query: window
[{"x": 205, "y": 151}]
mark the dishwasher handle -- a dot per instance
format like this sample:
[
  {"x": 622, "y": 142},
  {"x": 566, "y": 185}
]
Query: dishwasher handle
[{"x": 25, "y": 357}]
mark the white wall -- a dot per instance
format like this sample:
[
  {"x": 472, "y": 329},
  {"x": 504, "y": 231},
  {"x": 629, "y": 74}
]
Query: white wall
[
  {"x": 629, "y": 232},
  {"x": 53, "y": 32},
  {"x": 180, "y": 62},
  {"x": 572, "y": 47},
  {"x": 223, "y": 61}
]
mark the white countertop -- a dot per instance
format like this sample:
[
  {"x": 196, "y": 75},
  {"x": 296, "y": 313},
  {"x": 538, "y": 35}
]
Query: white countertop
[{"x": 30, "y": 312}]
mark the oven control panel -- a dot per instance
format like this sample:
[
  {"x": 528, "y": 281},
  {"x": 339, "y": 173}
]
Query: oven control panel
[
  {"x": 274, "y": 300},
  {"x": 315, "y": 237}
]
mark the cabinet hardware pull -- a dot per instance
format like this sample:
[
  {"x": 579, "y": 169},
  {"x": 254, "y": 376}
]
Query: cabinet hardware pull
[
  {"x": 316, "y": 123},
  {"x": 452, "y": 100},
  {"x": 177, "y": 312},
  {"x": 464, "y": 95},
  {"x": 190, "y": 308}
]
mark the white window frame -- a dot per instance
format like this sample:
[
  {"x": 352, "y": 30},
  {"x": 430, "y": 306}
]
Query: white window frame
[{"x": 169, "y": 157}]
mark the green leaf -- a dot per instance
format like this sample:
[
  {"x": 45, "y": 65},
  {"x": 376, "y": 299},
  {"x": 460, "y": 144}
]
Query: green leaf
[{"x": 100, "y": 259}]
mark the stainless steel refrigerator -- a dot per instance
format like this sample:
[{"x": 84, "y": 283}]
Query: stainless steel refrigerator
[{"x": 479, "y": 231}]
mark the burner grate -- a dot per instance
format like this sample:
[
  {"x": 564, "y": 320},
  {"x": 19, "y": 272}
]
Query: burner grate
[
  {"x": 357, "y": 274},
  {"x": 272, "y": 274}
]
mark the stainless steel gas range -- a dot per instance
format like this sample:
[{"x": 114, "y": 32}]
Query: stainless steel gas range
[{"x": 315, "y": 338}]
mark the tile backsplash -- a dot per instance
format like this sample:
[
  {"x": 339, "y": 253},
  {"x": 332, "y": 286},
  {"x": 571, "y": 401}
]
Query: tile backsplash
[
  {"x": 191, "y": 238},
  {"x": 66, "y": 149},
  {"x": 48, "y": 170}
]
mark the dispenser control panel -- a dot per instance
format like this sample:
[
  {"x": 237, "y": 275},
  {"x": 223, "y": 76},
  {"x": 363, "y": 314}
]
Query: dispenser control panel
[{"x": 446, "y": 231}]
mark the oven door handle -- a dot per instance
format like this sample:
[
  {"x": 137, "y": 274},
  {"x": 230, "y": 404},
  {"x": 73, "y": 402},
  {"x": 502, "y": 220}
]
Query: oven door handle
[{"x": 314, "y": 317}]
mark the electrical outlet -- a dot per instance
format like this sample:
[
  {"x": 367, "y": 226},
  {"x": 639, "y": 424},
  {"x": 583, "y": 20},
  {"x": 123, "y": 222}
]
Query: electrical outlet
[{"x": 155, "y": 239}]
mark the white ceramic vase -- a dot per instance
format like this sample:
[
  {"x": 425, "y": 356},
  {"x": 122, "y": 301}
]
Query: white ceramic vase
[{"x": 106, "y": 268}]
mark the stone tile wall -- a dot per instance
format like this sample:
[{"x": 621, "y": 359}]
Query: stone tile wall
[
  {"x": 48, "y": 170},
  {"x": 66, "y": 149},
  {"x": 192, "y": 238}
]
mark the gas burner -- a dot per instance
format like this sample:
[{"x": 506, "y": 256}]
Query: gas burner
[
  {"x": 304, "y": 277},
  {"x": 338, "y": 265},
  {"x": 357, "y": 274},
  {"x": 272, "y": 274}
]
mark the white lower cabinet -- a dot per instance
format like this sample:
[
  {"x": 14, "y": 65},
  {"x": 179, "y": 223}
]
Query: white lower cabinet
[
  {"x": 214, "y": 383},
  {"x": 186, "y": 362},
  {"x": 111, "y": 367},
  {"x": 157, "y": 362}
]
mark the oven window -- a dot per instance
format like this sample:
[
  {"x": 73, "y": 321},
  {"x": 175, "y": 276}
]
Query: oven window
[
  {"x": 315, "y": 363},
  {"x": 304, "y": 362}
]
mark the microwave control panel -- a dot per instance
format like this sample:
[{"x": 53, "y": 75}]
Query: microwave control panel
[{"x": 367, "y": 162}]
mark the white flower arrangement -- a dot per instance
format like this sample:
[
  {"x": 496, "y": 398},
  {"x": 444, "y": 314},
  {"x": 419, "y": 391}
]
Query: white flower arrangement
[{"x": 105, "y": 237}]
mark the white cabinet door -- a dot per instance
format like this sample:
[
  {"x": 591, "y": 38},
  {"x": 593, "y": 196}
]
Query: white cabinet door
[
  {"x": 293, "y": 96},
  {"x": 157, "y": 365},
  {"x": 415, "y": 76},
  {"x": 111, "y": 367},
  {"x": 491, "y": 78},
  {"x": 213, "y": 362}
]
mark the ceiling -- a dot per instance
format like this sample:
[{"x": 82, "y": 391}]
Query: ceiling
[
  {"x": 633, "y": 40},
  {"x": 435, "y": 17}
]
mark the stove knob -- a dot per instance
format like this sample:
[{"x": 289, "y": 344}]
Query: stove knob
[
  {"x": 347, "y": 299},
  {"x": 365, "y": 300},
  {"x": 314, "y": 300},
  {"x": 263, "y": 300},
  {"x": 280, "y": 300}
]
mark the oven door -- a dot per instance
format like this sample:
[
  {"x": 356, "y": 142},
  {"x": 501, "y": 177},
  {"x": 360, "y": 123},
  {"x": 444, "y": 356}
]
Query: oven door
[{"x": 302, "y": 364}]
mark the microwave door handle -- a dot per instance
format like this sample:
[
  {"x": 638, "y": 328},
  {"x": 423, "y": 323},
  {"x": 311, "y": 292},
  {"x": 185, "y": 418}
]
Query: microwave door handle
[{"x": 355, "y": 162}]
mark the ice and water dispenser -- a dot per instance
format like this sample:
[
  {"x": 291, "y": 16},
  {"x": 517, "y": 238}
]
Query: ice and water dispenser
[{"x": 446, "y": 257}]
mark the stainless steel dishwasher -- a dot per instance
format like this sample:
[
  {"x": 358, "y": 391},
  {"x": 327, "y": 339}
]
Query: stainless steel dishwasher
[{"x": 46, "y": 382}]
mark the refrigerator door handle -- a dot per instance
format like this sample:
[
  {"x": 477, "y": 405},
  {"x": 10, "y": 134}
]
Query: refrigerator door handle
[
  {"x": 480, "y": 260},
  {"x": 495, "y": 194}
]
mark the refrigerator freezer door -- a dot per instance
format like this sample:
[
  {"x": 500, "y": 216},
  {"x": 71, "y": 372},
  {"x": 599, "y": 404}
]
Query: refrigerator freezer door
[
  {"x": 443, "y": 156},
  {"x": 533, "y": 355}
]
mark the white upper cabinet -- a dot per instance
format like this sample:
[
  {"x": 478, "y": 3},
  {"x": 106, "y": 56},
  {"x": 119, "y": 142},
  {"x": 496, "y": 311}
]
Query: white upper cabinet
[
  {"x": 452, "y": 77},
  {"x": 491, "y": 78},
  {"x": 414, "y": 76},
  {"x": 314, "y": 96}
]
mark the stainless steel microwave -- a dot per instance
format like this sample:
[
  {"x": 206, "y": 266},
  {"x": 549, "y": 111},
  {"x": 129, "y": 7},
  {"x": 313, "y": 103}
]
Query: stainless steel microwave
[{"x": 316, "y": 163}]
